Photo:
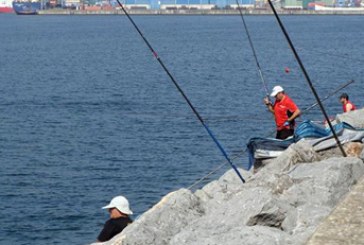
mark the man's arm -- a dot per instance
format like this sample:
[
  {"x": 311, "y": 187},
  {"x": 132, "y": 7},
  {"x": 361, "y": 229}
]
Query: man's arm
[
  {"x": 106, "y": 233},
  {"x": 349, "y": 107},
  {"x": 295, "y": 114},
  {"x": 268, "y": 104}
]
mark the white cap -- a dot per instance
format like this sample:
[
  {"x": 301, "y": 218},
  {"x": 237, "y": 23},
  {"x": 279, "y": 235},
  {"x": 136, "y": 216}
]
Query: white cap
[
  {"x": 276, "y": 90},
  {"x": 121, "y": 203}
]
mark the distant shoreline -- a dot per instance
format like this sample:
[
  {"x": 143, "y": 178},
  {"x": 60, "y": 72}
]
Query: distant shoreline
[{"x": 196, "y": 12}]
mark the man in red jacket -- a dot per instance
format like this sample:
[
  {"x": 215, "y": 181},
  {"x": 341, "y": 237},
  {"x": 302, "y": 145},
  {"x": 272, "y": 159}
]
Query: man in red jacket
[
  {"x": 347, "y": 105},
  {"x": 285, "y": 111}
]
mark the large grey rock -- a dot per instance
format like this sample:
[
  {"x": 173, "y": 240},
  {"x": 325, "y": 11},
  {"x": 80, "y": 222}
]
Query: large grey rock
[
  {"x": 281, "y": 204},
  {"x": 323, "y": 183},
  {"x": 345, "y": 224},
  {"x": 235, "y": 236},
  {"x": 354, "y": 118},
  {"x": 352, "y": 149},
  {"x": 273, "y": 175},
  {"x": 162, "y": 222}
]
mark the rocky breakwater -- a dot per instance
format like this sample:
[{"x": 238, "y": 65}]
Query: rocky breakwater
[{"x": 281, "y": 204}]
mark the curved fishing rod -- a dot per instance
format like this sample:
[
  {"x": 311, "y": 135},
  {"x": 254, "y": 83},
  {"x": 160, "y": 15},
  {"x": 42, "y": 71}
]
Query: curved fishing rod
[
  {"x": 181, "y": 92},
  {"x": 328, "y": 96},
  {"x": 307, "y": 77},
  {"x": 253, "y": 49},
  {"x": 304, "y": 111}
]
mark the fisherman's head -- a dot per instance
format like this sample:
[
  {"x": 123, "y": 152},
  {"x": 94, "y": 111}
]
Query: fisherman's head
[
  {"x": 118, "y": 207},
  {"x": 277, "y": 92},
  {"x": 344, "y": 98}
]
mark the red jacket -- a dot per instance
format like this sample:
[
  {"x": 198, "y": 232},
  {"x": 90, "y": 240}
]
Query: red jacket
[
  {"x": 353, "y": 107},
  {"x": 281, "y": 109}
]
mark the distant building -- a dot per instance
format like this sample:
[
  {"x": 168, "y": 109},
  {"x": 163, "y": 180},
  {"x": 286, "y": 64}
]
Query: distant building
[
  {"x": 52, "y": 3},
  {"x": 328, "y": 3},
  {"x": 187, "y": 6},
  {"x": 261, "y": 4},
  {"x": 292, "y": 4},
  {"x": 347, "y": 3},
  {"x": 72, "y": 3},
  {"x": 96, "y": 5},
  {"x": 242, "y": 3},
  {"x": 137, "y": 4}
]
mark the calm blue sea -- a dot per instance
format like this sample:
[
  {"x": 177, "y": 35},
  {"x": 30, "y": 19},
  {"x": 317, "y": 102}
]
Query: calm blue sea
[{"x": 86, "y": 112}]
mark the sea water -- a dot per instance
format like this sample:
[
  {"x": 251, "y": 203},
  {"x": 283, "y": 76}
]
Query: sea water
[{"x": 86, "y": 112}]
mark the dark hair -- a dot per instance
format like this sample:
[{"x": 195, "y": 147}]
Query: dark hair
[{"x": 344, "y": 96}]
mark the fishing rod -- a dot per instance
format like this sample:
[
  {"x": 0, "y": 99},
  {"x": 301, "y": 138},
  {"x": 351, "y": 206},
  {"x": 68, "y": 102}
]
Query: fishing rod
[
  {"x": 307, "y": 77},
  {"x": 255, "y": 119},
  {"x": 253, "y": 49},
  {"x": 238, "y": 118},
  {"x": 181, "y": 92},
  {"x": 215, "y": 170},
  {"x": 315, "y": 104},
  {"x": 328, "y": 96}
]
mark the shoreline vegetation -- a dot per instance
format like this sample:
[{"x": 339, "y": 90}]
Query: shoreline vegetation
[{"x": 197, "y": 12}]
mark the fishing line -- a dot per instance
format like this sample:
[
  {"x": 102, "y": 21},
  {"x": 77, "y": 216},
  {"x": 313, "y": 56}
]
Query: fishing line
[
  {"x": 253, "y": 49},
  {"x": 343, "y": 56},
  {"x": 215, "y": 170},
  {"x": 181, "y": 92},
  {"x": 328, "y": 96},
  {"x": 307, "y": 77},
  {"x": 307, "y": 109}
]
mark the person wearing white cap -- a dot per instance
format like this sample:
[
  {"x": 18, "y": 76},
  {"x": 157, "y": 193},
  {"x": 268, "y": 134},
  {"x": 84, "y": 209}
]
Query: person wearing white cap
[
  {"x": 119, "y": 218},
  {"x": 285, "y": 111}
]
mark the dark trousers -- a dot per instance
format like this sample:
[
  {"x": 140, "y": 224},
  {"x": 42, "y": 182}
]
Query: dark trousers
[{"x": 284, "y": 133}]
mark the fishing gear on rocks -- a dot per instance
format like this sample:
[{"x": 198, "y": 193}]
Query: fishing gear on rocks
[{"x": 182, "y": 92}]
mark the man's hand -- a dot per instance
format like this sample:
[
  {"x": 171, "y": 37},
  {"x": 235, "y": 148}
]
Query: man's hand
[
  {"x": 267, "y": 101},
  {"x": 287, "y": 123}
]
